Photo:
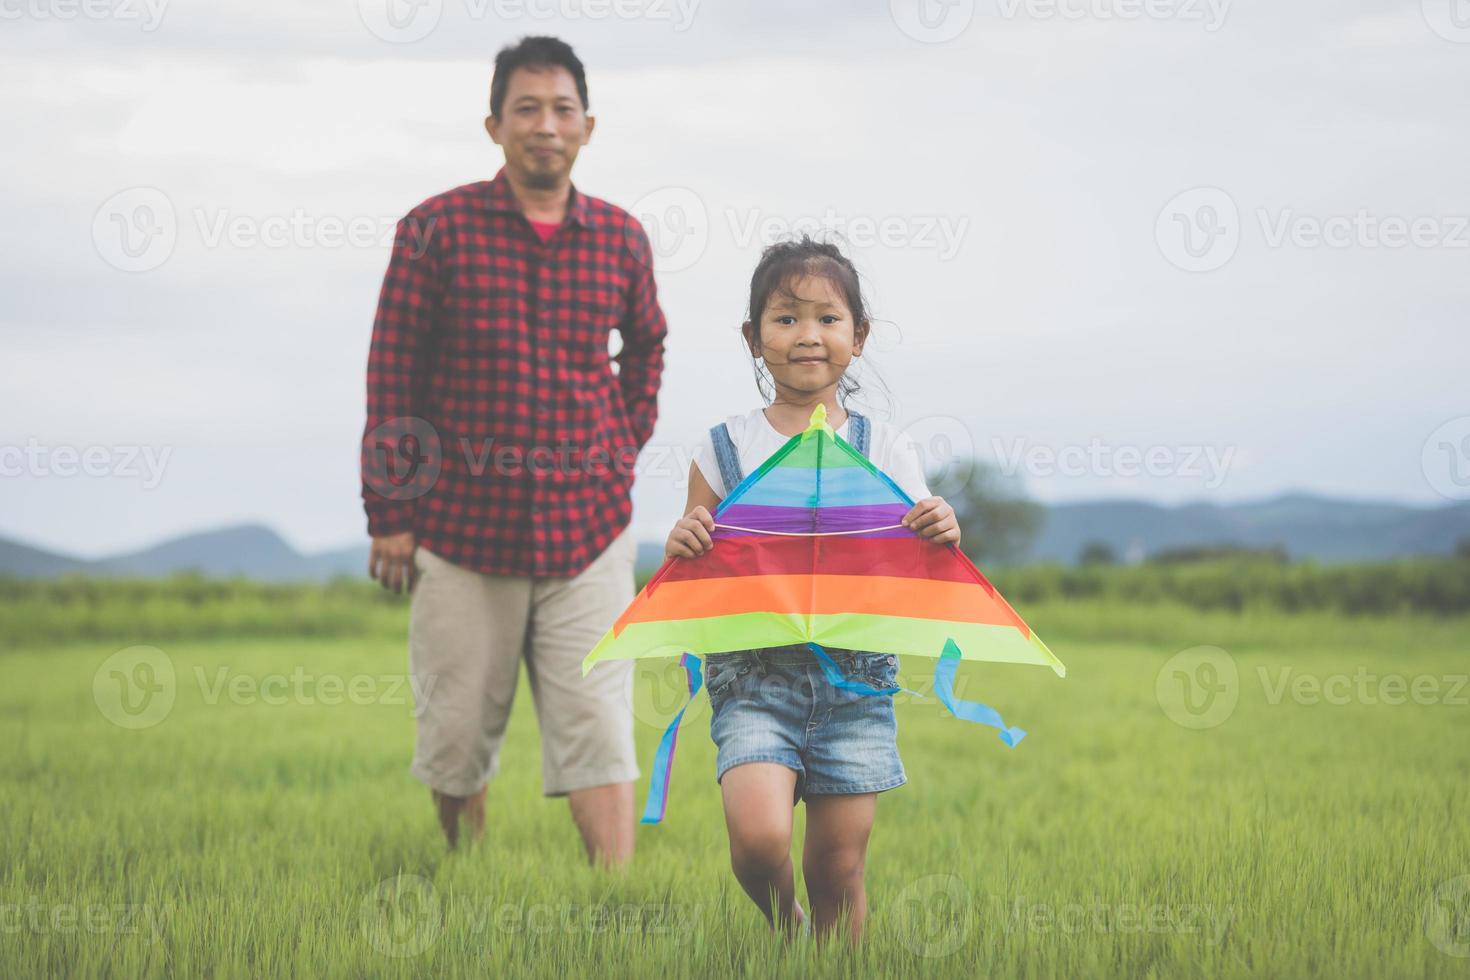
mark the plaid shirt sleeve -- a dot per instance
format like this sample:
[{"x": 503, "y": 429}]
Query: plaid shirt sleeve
[
  {"x": 641, "y": 361},
  {"x": 397, "y": 367}
]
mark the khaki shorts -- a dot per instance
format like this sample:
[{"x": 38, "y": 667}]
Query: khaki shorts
[{"x": 467, "y": 635}]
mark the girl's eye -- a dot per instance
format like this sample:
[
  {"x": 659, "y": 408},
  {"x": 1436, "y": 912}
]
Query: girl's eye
[
  {"x": 786, "y": 320},
  {"x": 831, "y": 318}
]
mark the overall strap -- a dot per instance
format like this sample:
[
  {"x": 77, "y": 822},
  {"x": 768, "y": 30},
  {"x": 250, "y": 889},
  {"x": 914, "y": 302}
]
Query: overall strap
[
  {"x": 726, "y": 456},
  {"x": 858, "y": 430}
]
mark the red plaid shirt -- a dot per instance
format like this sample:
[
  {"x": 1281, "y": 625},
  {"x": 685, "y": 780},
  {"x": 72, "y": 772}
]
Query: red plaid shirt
[{"x": 497, "y": 430}]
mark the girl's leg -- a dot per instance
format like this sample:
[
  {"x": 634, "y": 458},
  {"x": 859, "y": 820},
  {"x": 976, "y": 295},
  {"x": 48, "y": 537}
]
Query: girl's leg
[
  {"x": 837, "y": 829},
  {"x": 758, "y": 813}
]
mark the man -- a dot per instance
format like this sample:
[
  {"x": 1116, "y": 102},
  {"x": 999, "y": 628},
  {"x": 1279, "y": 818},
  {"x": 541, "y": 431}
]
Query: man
[{"x": 499, "y": 449}]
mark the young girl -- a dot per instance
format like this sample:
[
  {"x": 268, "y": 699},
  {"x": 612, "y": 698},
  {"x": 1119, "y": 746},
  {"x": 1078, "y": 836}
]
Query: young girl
[{"x": 784, "y": 732}]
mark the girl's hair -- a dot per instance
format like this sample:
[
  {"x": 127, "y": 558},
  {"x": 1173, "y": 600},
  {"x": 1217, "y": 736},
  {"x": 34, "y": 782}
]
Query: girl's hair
[{"x": 784, "y": 264}]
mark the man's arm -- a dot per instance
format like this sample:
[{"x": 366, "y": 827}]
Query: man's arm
[
  {"x": 641, "y": 361},
  {"x": 393, "y": 435}
]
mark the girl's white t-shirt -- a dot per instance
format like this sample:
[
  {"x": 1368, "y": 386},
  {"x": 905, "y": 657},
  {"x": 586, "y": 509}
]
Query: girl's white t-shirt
[{"x": 889, "y": 448}]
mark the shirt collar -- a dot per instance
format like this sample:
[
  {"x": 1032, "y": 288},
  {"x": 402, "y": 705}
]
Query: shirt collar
[{"x": 499, "y": 197}]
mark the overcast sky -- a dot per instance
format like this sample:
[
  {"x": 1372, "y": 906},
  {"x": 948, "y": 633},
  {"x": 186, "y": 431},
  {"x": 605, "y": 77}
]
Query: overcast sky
[{"x": 1168, "y": 249}]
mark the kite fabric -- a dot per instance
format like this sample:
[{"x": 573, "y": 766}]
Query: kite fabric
[{"x": 810, "y": 549}]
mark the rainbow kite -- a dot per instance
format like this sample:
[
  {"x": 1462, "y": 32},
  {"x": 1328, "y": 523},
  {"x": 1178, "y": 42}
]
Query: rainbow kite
[{"x": 810, "y": 549}]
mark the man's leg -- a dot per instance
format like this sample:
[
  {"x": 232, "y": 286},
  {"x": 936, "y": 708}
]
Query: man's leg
[
  {"x": 587, "y": 751},
  {"x": 466, "y": 636},
  {"x": 604, "y": 816}
]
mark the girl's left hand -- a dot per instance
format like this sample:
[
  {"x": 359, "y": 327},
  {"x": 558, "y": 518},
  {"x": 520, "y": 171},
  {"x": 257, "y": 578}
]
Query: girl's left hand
[{"x": 934, "y": 519}]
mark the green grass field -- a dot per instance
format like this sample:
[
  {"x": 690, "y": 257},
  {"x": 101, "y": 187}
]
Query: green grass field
[{"x": 1306, "y": 817}]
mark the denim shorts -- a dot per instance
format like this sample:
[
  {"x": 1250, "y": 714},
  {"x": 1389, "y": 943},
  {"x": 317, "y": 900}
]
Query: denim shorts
[{"x": 776, "y": 705}]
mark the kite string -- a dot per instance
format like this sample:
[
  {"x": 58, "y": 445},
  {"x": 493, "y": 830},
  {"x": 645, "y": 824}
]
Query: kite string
[{"x": 808, "y": 534}]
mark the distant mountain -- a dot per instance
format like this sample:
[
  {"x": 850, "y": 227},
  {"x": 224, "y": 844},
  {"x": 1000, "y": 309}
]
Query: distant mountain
[
  {"x": 1306, "y": 526},
  {"x": 23, "y": 560},
  {"x": 252, "y": 550}
]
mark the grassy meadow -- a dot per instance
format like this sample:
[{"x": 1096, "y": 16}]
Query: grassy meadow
[{"x": 191, "y": 789}]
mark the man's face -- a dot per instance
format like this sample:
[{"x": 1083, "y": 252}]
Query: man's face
[
  {"x": 809, "y": 339},
  {"x": 542, "y": 126}
]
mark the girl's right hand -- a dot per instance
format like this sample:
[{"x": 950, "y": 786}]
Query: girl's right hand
[{"x": 691, "y": 537}]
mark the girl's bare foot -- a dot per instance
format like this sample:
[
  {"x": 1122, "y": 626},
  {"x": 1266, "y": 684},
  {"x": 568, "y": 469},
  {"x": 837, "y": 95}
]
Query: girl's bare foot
[{"x": 800, "y": 924}]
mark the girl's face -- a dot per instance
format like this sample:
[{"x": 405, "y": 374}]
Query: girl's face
[{"x": 807, "y": 340}]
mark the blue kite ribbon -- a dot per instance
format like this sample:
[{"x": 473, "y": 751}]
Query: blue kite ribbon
[
  {"x": 944, "y": 672},
  {"x": 838, "y": 679},
  {"x": 663, "y": 758}
]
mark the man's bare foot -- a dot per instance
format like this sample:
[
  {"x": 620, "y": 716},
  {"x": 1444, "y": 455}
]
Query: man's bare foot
[{"x": 452, "y": 808}]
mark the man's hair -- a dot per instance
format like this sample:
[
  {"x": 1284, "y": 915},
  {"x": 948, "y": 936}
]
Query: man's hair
[{"x": 534, "y": 53}]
